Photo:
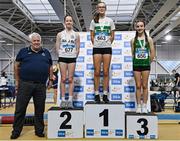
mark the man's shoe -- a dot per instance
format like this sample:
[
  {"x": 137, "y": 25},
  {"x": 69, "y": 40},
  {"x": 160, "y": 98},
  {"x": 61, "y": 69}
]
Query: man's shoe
[
  {"x": 40, "y": 134},
  {"x": 105, "y": 98},
  {"x": 14, "y": 136},
  {"x": 97, "y": 98}
]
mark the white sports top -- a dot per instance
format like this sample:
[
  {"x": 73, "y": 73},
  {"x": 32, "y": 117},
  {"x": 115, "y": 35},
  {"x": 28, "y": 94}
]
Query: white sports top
[{"x": 68, "y": 48}]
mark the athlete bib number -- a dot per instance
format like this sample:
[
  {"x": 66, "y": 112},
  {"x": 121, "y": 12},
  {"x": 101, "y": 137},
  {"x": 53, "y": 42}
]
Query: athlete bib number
[
  {"x": 68, "y": 48},
  {"x": 141, "y": 54},
  {"x": 101, "y": 36}
]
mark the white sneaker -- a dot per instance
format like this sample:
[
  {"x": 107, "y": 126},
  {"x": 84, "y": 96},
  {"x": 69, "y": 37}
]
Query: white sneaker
[
  {"x": 138, "y": 110},
  {"x": 70, "y": 104},
  {"x": 63, "y": 104},
  {"x": 144, "y": 109}
]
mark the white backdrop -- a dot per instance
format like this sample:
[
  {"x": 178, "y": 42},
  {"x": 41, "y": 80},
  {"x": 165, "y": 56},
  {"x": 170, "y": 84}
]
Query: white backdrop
[{"x": 121, "y": 85}]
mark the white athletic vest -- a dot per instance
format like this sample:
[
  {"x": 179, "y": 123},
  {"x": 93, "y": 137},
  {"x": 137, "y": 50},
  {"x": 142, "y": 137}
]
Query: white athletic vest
[{"x": 67, "y": 48}]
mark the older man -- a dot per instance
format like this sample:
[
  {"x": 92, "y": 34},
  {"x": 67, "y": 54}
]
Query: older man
[{"x": 33, "y": 67}]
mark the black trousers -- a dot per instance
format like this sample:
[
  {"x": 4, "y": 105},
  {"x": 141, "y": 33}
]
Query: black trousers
[{"x": 27, "y": 90}]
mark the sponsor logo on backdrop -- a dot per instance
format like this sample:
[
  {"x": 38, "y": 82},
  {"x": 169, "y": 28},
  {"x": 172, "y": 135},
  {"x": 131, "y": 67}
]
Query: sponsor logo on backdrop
[
  {"x": 89, "y": 132},
  {"x": 89, "y": 51},
  {"x": 116, "y": 89},
  {"x": 130, "y": 104},
  {"x": 61, "y": 133},
  {"x": 117, "y": 44},
  {"x": 80, "y": 59},
  {"x": 101, "y": 89},
  {"x": 127, "y": 44},
  {"x": 89, "y": 66},
  {"x": 116, "y": 96},
  {"x": 118, "y": 37},
  {"x": 78, "y": 88},
  {"x": 90, "y": 73},
  {"x": 127, "y": 66},
  {"x": 65, "y": 133},
  {"x": 89, "y": 45},
  {"x": 129, "y": 36},
  {"x": 129, "y": 97},
  {"x": 89, "y": 59},
  {"x": 117, "y": 51},
  {"x": 116, "y": 81},
  {"x": 129, "y": 89},
  {"x": 78, "y": 81},
  {"x": 89, "y": 81},
  {"x": 83, "y": 37},
  {"x": 131, "y": 137},
  {"x": 127, "y": 52},
  {"x": 127, "y": 58},
  {"x": 82, "y": 45},
  {"x": 90, "y": 96},
  {"x": 78, "y": 104},
  {"x": 101, "y": 74},
  {"x": 79, "y": 66},
  {"x": 118, "y": 132},
  {"x": 90, "y": 89},
  {"x": 152, "y": 136},
  {"x": 116, "y": 73},
  {"x": 104, "y": 132},
  {"x": 82, "y": 51},
  {"x": 116, "y": 66},
  {"x": 129, "y": 81},
  {"x": 128, "y": 74},
  {"x": 116, "y": 59},
  {"x": 79, "y": 74},
  {"x": 78, "y": 96},
  {"x": 88, "y": 38}
]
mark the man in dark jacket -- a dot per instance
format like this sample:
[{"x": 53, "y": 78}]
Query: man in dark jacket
[{"x": 33, "y": 67}]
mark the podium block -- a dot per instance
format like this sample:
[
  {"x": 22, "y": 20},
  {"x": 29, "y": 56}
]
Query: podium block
[
  {"x": 141, "y": 126},
  {"x": 65, "y": 123},
  {"x": 104, "y": 120}
]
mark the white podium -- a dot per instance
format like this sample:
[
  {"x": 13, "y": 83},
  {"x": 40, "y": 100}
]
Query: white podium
[
  {"x": 141, "y": 126},
  {"x": 104, "y": 120},
  {"x": 65, "y": 123}
]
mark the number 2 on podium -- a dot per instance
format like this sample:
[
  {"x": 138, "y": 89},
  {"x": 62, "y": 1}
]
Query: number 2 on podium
[{"x": 65, "y": 122}]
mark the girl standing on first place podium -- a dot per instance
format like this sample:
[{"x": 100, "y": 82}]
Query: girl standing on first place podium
[
  {"x": 102, "y": 36},
  {"x": 67, "y": 46},
  {"x": 143, "y": 54}
]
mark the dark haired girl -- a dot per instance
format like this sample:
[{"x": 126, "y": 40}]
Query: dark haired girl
[{"x": 143, "y": 54}]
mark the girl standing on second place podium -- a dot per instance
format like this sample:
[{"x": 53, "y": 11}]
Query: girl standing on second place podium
[
  {"x": 67, "y": 46},
  {"x": 143, "y": 54},
  {"x": 102, "y": 36}
]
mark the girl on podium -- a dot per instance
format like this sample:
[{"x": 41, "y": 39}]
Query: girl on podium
[
  {"x": 143, "y": 54},
  {"x": 102, "y": 36},
  {"x": 67, "y": 46}
]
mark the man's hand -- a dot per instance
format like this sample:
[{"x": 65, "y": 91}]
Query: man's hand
[{"x": 16, "y": 86}]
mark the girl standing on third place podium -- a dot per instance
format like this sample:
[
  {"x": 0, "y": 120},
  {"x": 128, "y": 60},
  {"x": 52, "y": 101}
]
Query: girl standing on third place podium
[
  {"x": 67, "y": 46},
  {"x": 143, "y": 54},
  {"x": 102, "y": 36}
]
